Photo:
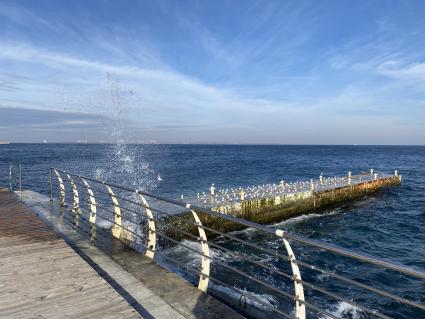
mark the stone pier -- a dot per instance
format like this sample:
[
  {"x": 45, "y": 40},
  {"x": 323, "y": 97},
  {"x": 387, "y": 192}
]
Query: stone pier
[{"x": 271, "y": 203}]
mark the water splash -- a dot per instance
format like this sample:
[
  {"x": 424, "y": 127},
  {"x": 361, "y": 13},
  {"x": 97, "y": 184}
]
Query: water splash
[
  {"x": 346, "y": 311},
  {"x": 122, "y": 162},
  {"x": 125, "y": 162}
]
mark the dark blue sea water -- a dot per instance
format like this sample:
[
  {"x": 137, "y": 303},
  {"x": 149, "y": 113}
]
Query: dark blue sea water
[{"x": 389, "y": 224}]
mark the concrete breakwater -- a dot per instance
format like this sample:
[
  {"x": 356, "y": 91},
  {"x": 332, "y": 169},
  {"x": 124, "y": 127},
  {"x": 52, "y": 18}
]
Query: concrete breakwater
[{"x": 271, "y": 203}]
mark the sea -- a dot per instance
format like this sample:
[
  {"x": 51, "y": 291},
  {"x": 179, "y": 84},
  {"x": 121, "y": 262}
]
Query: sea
[{"x": 389, "y": 224}]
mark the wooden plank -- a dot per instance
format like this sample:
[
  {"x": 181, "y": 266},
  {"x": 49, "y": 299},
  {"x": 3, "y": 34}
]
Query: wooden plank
[{"x": 41, "y": 276}]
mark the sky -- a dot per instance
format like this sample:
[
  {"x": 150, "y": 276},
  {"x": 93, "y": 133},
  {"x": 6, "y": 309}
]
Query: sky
[{"x": 248, "y": 72}]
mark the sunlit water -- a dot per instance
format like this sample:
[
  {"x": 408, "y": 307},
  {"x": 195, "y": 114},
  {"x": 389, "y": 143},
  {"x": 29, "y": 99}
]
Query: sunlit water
[{"x": 389, "y": 224}]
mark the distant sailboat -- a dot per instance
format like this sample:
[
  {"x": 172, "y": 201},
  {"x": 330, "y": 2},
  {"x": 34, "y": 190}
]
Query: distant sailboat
[{"x": 159, "y": 178}]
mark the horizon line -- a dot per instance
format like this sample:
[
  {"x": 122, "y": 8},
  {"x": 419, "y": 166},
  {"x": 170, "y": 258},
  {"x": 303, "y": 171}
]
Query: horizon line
[{"x": 218, "y": 144}]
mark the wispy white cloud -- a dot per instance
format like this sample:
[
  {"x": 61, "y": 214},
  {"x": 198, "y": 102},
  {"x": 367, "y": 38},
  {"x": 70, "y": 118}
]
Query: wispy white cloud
[
  {"x": 275, "y": 72},
  {"x": 172, "y": 107},
  {"x": 413, "y": 71},
  {"x": 182, "y": 91}
]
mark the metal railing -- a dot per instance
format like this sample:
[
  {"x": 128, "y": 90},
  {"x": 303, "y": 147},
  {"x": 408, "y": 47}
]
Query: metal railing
[
  {"x": 136, "y": 217},
  {"x": 7, "y": 173}
]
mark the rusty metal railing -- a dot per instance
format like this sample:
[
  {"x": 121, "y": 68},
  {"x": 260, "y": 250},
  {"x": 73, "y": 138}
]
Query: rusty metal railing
[{"x": 134, "y": 217}]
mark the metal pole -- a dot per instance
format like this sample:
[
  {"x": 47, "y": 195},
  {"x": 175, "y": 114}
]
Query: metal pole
[
  {"x": 20, "y": 177},
  {"x": 10, "y": 177},
  {"x": 51, "y": 186}
]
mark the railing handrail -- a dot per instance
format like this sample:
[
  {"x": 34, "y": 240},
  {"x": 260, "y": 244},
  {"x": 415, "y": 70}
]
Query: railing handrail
[
  {"x": 119, "y": 230},
  {"x": 301, "y": 263},
  {"x": 267, "y": 229}
]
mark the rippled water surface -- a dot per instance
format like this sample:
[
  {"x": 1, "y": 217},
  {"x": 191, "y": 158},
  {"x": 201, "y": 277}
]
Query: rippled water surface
[{"x": 389, "y": 224}]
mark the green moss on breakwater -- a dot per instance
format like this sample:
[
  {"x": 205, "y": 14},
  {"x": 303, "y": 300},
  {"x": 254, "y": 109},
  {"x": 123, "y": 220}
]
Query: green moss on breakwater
[{"x": 275, "y": 209}]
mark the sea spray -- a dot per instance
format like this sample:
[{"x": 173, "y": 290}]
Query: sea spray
[
  {"x": 124, "y": 160},
  {"x": 113, "y": 106},
  {"x": 118, "y": 161}
]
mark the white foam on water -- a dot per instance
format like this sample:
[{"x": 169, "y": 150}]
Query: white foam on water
[
  {"x": 322, "y": 277},
  {"x": 290, "y": 221},
  {"x": 246, "y": 231},
  {"x": 188, "y": 257},
  {"x": 101, "y": 223},
  {"x": 303, "y": 218},
  {"x": 298, "y": 219},
  {"x": 191, "y": 257},
  {"x": 345, "y": 311},
  {"x": 268, "y": 300},
  {"x": 99, "y": 173}
]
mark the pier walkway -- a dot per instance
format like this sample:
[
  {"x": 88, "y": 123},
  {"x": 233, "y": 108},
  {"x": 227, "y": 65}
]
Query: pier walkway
[
  {"x": 56, "y": 273},
  {"x": 41, "y": 276}
]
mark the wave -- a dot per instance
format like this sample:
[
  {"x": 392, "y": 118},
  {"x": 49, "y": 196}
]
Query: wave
[
  {"x": 189, "y": 253},
  {"x": 345, "y": 311},
  {"x": 290, "y": 221},
  {"x": 299, "y": 219},
  {"x": 246, "y": 231},
  {"x": 101, "y": 223},
  {"x": 268, "y": 300},
  {"x": 303, "y": 218}
]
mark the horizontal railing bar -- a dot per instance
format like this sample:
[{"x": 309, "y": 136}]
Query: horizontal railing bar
[{"x": 278, "y": 232}]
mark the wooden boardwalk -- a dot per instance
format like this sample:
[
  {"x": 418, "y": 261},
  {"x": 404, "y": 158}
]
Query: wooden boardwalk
[{"x": 42, "y": 277}]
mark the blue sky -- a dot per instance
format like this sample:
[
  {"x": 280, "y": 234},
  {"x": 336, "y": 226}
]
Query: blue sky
[{"x": 278, "y": 72}]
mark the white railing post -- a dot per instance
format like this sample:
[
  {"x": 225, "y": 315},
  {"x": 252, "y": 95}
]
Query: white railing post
[
  {"x": 61, "y": 188},
  {"x": 299, "y": 290},
  {"x": 151, "y": 244},
  {"x": 75, "y": 202},
  {"x": 10, "y": 178},
  {"x": 20, "y": 177},
  {"x": 92, "y": 200},
  {"x": 117, "y": 227},
  {"x": 205, "y": 251}
]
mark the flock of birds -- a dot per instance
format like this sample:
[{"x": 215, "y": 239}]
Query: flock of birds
[{"x": 231, "y": 195}]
